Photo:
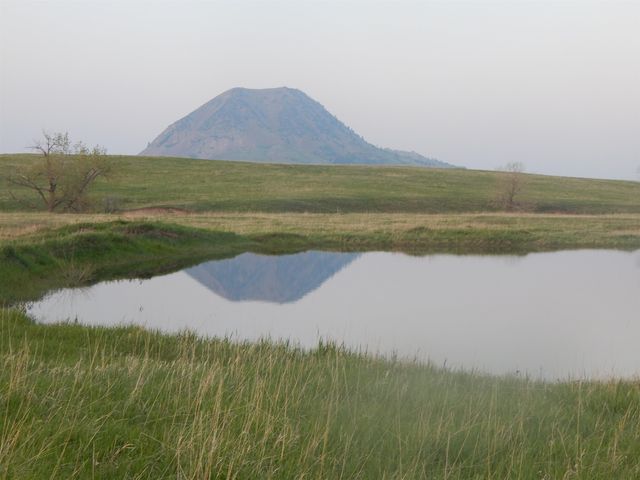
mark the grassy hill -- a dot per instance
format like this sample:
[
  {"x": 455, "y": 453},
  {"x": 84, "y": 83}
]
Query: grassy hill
[{"x": 205, "y": 185}]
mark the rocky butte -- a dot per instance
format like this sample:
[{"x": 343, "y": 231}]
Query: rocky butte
[{"x": 275, "y": 125}]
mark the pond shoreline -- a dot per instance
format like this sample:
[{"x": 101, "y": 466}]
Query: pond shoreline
[{"x": 84, "y": 252}]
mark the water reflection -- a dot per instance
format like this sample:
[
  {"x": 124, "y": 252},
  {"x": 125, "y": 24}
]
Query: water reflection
[
  {"x": 278, "y": 279},
  {"x": 551, "y": 314}
]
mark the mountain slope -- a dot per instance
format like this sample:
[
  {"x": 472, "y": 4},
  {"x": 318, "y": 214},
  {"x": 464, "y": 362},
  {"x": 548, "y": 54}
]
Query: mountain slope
[{"x": 280, "y": 125}]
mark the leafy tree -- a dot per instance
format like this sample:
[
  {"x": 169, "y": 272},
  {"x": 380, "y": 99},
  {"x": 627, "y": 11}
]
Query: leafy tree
[{"x": 65, "y": 173}]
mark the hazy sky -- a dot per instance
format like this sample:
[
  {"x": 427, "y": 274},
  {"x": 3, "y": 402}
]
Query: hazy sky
[{"x": 555, "y": 84}]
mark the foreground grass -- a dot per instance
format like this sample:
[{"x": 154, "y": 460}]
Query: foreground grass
[
  {"x": 205, "y": 185},
  {"x": 78, "y": 402}
]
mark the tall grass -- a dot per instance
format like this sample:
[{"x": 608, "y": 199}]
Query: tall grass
[{"x": 78, "y": 402}]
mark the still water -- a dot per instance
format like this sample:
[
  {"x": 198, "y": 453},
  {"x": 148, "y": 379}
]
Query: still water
[{"x": 573, "y": 314}]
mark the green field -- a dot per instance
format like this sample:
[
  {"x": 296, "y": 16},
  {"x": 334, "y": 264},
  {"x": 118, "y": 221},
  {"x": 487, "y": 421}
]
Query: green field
[
  {"x": 204, "y": 185},
  {"x": 78, "y": 402}
]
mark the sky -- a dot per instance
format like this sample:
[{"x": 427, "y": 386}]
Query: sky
[{"x": 552, "y": 84}]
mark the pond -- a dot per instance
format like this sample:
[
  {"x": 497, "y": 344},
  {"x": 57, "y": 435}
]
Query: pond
[{"x": 560, "y": 315}]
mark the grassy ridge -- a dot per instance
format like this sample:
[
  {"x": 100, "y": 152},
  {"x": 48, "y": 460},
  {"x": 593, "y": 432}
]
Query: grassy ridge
[
  {"x": 204, "y": 185},
  {"x": 78, "y": 402}
]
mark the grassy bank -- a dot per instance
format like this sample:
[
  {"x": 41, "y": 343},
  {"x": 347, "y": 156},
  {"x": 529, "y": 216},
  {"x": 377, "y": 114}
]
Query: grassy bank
[
  {"x": 473, "y": 232},
  {"x": 40, "y": 252},
  {"x": 204, "y": 185},
  {"x": 79, "y": 402},
  {"x": 81, "y": 254}
]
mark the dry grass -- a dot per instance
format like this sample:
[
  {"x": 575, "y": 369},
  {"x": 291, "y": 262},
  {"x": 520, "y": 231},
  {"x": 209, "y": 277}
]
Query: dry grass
[{"x": 587, "y": 228}]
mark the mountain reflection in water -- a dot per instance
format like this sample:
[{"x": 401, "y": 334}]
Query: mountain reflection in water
[{"x": 277, "y": 279}]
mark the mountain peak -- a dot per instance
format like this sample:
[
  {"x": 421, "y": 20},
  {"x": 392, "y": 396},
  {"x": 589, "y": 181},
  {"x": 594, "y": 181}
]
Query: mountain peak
[{"x": 280, "y": 125}]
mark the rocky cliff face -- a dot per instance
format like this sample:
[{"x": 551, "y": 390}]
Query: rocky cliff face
[{"x": 281, "y": 125}]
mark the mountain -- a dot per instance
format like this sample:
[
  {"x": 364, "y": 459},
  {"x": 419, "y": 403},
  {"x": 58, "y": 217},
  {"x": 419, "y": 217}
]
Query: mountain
[
  {"x": 276, "y": 279},
  {"x": 280, "y": 125}
]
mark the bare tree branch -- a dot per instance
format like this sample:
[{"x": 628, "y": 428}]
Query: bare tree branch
[
  {"x": 511, "y": 185},
  {"x": 65, "y": 175},
  {"x": 22, "y": 201},
  {"x": 24, "y": 181}
]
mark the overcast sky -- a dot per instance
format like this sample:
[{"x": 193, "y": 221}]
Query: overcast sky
[{"x": 555, "y": 84}]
